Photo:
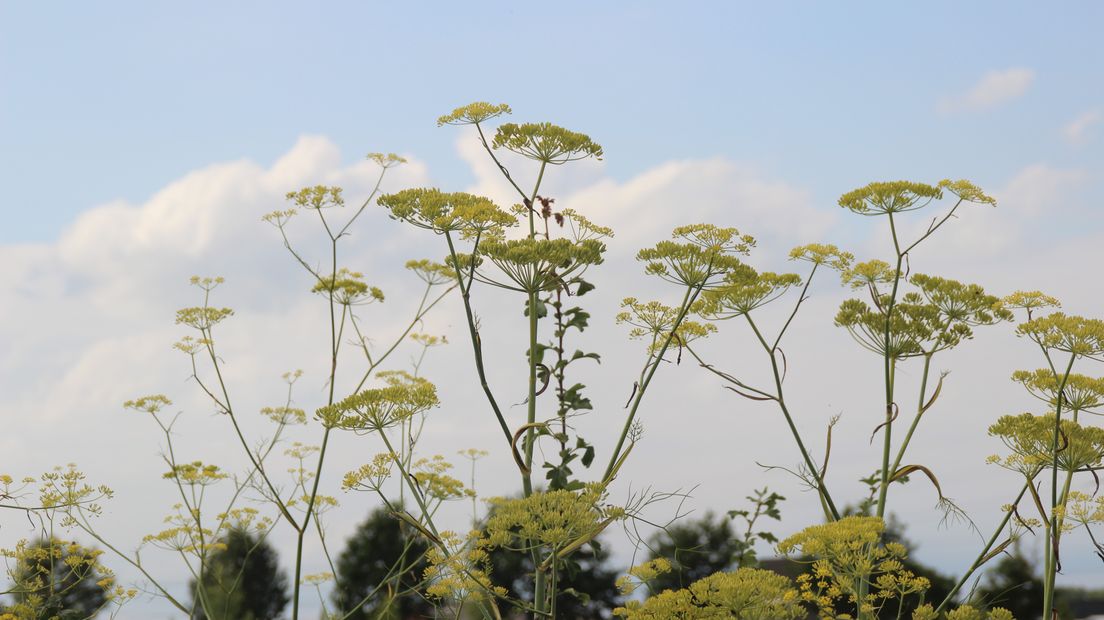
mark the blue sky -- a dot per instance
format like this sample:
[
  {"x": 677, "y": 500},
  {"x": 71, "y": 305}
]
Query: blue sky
[
  {"x": 111, "y": 100},
  {"x": 141, "y": 142}
]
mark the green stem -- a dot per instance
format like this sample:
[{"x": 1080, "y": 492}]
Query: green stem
[
  {"x": 984, "y": 552},
  {"x": 477, "y": 346},
  {"x": 919, "y": 413},
  {"x": 649, "y": 372},
  {"x": 1053, "y": 530},
  {"x": 822, "y": 489}
]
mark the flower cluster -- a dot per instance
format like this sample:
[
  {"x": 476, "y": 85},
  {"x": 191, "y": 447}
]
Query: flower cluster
[
  {"x": 939, "y": 316},
  {"x": 823, "y": 254},
  {"x": 850, "y": 564},
  {"x": 1072, "y": 334},
  {"x": 430, "y": 272},
  {"x": 435, "y": 483},
  {"x": 473, "y": 113},
  {"x": 369, "y": 476},
  {"x": 442, "y": 212},
  {"x": 546, "y": 143},
  {"x": 318, "y": 197},
  {"x": 1031, "y": 441},
  {"x": 534, "y": 264},
  {"x": 202, "y": 318},
  {"x": 742, "y": 291},
  {"x": 747, "y": 593},
  {"x": 378, "y": 408},
  {"x": 559, "y": 520},
  {"x": 347, "y": 288},
  {"x": 195, "y": 474},
  {"x": 700, "y": 254},
  {"x": 1079, "y": 393},
  {"x": 459, "y": 569},
  {"x": 653, "y": 320}
]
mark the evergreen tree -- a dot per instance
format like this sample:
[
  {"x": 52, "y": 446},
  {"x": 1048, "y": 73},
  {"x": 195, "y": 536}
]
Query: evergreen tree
[
  {"x": 1014, "y": 585},
  {"x": 381, "y": 566},
  {"x": 587, "y": 586},
  {"x": 696, "y": 548},
  {"x": 243, "y": 581}
]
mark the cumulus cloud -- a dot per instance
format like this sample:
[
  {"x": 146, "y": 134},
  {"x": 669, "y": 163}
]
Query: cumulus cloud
[
  {"x": 87, "y": 323},
  {"x": 993, "y": 89},
  {"x": 1080, "y": 129}
]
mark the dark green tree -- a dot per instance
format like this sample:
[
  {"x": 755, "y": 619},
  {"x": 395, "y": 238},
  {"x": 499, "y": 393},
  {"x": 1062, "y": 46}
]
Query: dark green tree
[
  {"x": 1014, "y": 585},
  {"x": 696, "y": 548},
  {"x": 243, "y": 581},
  {"x": 587, "y": 586},
  {"x": 54, "y": 579},
  {"x": 381, "y": 567}
]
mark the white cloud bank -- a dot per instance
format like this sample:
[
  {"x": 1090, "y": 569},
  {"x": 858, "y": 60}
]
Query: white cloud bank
[
  {"x": 993, "y": 89},
  {"x": 87, "y": 323}
]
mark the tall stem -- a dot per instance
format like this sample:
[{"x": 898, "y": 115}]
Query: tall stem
[
  {"x": 984, "y": 552},
  {"x": 889, "y": 361},
  {"x": 649, "y": 371},
  {"x": 822, "y": 489},
  {"x": 1053, "y": 530}
]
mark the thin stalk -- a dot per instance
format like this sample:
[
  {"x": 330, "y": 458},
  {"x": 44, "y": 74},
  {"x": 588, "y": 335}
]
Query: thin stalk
[
  {"x": 477, "y": 346},
  {"x": 1053, "y": 534},
  {"x": 531, "y": 417},
  {"x": 919, "y": 413},
  {"x": 822, "y": 489},
  {"x": 649, "y": 372},
  {"x": 984, "y": 552},
  {"x": 888, "y": 359}
]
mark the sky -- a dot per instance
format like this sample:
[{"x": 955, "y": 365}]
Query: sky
[{"x": 142, "y": 142}]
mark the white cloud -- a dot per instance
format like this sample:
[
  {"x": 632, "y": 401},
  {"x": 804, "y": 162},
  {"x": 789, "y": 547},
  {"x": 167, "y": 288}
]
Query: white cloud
[
  {"x": 994, "y": 88},
  {"x": 87, "y": 322},
  {"x": 1079, "y": 130}
]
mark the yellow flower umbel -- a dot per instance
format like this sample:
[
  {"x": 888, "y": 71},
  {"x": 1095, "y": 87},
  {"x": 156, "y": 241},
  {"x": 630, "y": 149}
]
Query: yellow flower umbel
[
  {"x": 699, "y": 256},
  {"x": 938, "y": 316},
  {"x": 882, "y": 198},
  {"x": 850, "y": 564},
  {"x": 376, "y": 409},
  {"x": 1031, "y": 440},
  {"x": 742, "y": 291},
  {"x": 558, "y": 521},
  {"x": 546, "y": 143},
  {"x": 745, "y": 594},
  {"x": 1080, "y": 393},
  {"x": 534, "y": 265},
  {"x": 442, "y": 212},
  {"x": 474, "y": 113},
  {"x": 347, "y": 288},
  {"x": 652, "y": 321}
]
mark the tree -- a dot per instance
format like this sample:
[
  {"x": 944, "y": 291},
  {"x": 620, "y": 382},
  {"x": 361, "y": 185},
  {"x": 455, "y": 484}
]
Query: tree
[
  {"x": 56, "y": 579},
  {"x": 1014, "y": 585},
  {"x": 380, "y": 567},
  {"x": 587, "y": 586},
  {"x": 696, "y": 548},
  {"x": 243, "y": 581}
]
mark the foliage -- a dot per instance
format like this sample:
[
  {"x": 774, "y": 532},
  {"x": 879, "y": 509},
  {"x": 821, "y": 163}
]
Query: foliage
[
  {"x": 51, "y": 578},
  {"x": 242, "y": 581},
  {"x": 379, "y": 571}
]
